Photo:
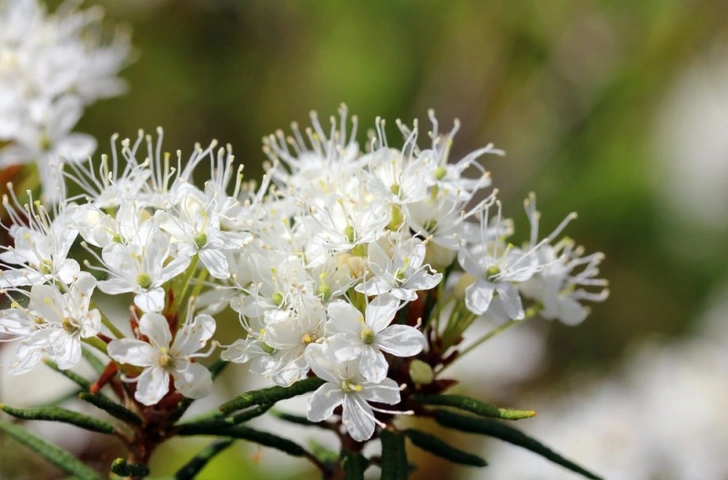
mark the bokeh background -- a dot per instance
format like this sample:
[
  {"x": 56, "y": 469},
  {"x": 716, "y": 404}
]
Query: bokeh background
[{"x": 616, "y": 110}]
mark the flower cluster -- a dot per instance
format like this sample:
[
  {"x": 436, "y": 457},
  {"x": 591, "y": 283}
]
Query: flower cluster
[
  {"x": 51, "y": 68},
  {"x": 337, "y": 265}
]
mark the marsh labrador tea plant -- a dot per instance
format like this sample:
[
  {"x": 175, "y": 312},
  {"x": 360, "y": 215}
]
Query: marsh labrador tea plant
[{"x": 355, "y": 272}]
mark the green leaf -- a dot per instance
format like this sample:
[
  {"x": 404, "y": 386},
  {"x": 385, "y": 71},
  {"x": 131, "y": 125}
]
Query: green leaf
[
  {"x": 271, "y": 395},
  {"x": 217, "y": 368},
  {"x": 492, "y": 428},
  {"x": 56, "y": 455},
  {"x": 434, "y": 445},
  {"x": 124, "y": 469},
  {"x": 474, "y": 406},
  {"x": 195, "y": 466},
  {"x": 394, "y": 456},
  {"x": 214, "y": 421},
  {"x": 93, "y": 360},
  {"x": 299, "y": 420},
  {"x": 326, "y": 456},
  {"x": 56, "y": 414},
  {"x": 245, "y": 433},
  {"x": 74, "y": 377},
  {"x": 112, "y": 408},
  {"x": 354, "y": 465}
]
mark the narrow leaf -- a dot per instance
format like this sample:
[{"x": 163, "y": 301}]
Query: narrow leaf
[
  {"x": 217, "y": 368},
  {"x": 194, "y": 466},
  {"x": 492, "y": 428},
  {"x": 434, "y": 445},
  {"x": 394, "y": 456},
  {"x": 56, "y": 455},
  {"x": 299, "y": 420},
  {"x": 354, "y": 465},
  {"x": 474, "y": 406},
  {"x": 56, "y": 414},
  {"x": 245, "y": 433},
  {"x": 124, "y": 469},
  {"x": 74, "y": 377},
  {"x": 271, "y": 395},
  {"x": 112, "y": 408},
  {"x": 209, "y": 422},
  {"x": 93, "y": 360}
]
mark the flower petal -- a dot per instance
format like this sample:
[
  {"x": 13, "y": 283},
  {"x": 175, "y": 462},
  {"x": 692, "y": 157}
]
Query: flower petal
[
  {"x": 194, "y": 336},
  {"x": 478, "y": 296},
  {"x": 152, "y": 385},
  {"x": 358, "y": 418},
  {"x": 381, "y": 312},
  {"x": 401, "y": 340},
  {"x": 194, "y": 381},
  {"x": 133, "y": 352},
  {"x": 322, "y": 403},
  {"x": 511, "y": 300},
  {"x": 155, "y": 326}
]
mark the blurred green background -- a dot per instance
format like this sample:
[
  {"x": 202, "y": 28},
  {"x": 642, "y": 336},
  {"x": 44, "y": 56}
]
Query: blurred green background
[{"x": 586, "y": 97}]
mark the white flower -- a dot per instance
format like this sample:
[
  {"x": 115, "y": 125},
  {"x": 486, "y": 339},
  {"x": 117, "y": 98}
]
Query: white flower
[
  {"x": 195, "y": 225},
  {"x": 159, "y": 359},
  {"x": 142, "y": 268},
  {"x": 564, "y": 269},
  {"x": 402, "y": 274},
  {"x": 364, "y": 339},
  {"x": 40, "y": 253},
  {"x": 17, "y": 324},
  {"x": 51, "y": 68},
  {"x": 347, "y": 387},
  {"x": 64, "y": 319}
]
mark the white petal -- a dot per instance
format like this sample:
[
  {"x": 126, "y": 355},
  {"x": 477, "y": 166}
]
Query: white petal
[
  {"x": 322, "y": 403},
  {"x": 152, "y": 385},
  {"x": 26, "y": 358},
  {"x": 194, "y": 336},
  {"x": 344, "y": 318},
  {"x": 381, "y": 312},
  {"x": 68, "y": 270},
  {"x": 76, "y": 147},
  {"x": 194, "y": 381},
  {"x": 401, "y": 340},
  {"x": 358, "y": 418},
  {"x": 373, "y": 365},
  {"x": 133, "y": 352},
  {"x": 47, "y": 303},
  {"x": 322, "y": 362},
  {"x": 478, "y": 296},
  {"x": 155, "y": 326},
  {"x": 215, "y": 262},
  {"x": 150, "y": 301},
  {"x": 345, "y": 347},
  {"x": 423, "y": 281},
  {"x": 511, "y": 300},
  {"x": 386, "y": 391},
  {"x": 374, "y": 286},
  {"x": 115, "y": 286}
]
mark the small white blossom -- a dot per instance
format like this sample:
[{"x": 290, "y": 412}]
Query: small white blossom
[
  {"x": 365, "y": 338},
  {"x": 346, "y": 386},
  {"x": 163, "y": 357}
]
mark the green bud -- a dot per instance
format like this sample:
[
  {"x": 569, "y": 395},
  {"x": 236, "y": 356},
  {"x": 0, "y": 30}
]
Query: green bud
[
  {"x": 421, "y": 373},
  {"x": 440, "y": 172}
]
